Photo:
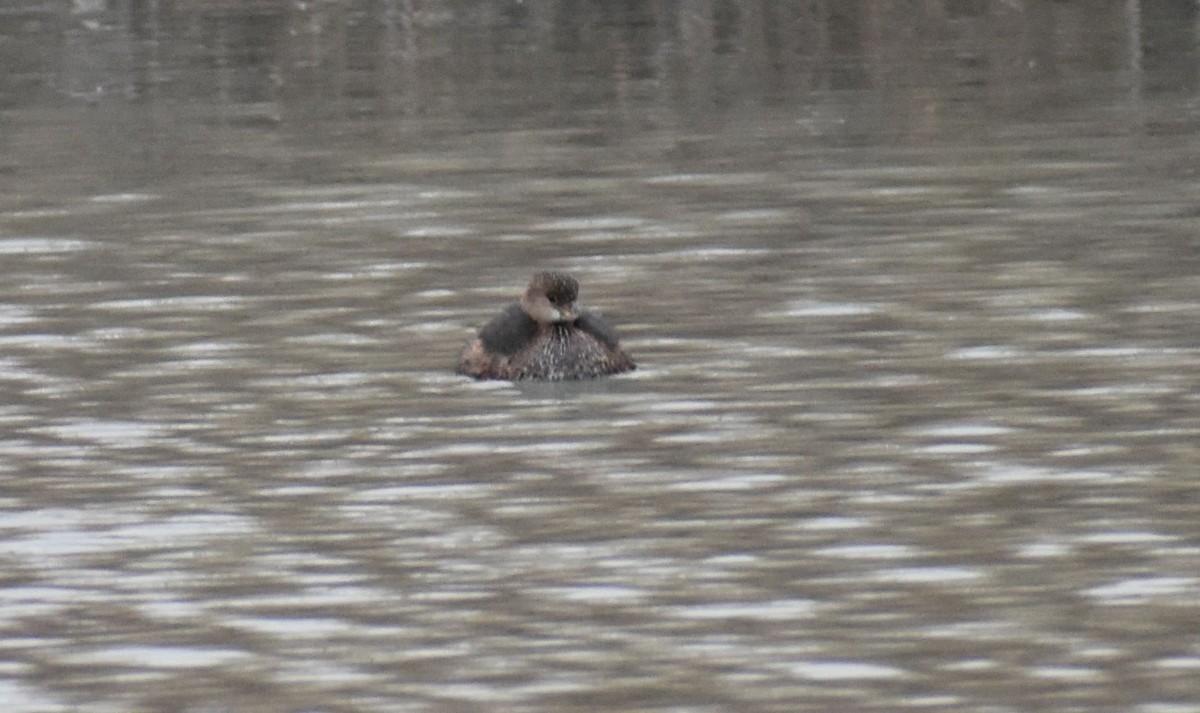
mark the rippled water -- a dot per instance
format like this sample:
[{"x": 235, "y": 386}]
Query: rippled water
[{"x": 914, "y": 426}]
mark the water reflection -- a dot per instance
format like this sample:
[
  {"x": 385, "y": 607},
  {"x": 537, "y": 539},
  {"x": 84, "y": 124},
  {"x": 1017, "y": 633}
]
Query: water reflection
[{"x": 913, "y": 422}]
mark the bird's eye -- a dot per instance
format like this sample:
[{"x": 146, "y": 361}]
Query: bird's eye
[{"x": 553, "y": 299}]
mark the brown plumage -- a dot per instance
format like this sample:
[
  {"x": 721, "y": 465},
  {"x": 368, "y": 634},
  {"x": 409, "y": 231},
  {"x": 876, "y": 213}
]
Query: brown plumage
[{"x": 545, "y": 336}]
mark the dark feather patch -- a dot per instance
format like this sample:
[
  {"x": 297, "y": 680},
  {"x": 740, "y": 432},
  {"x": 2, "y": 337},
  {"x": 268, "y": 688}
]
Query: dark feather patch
[
  {"x": 509, "y": 332},
  {"x": 591, "y": 323}
]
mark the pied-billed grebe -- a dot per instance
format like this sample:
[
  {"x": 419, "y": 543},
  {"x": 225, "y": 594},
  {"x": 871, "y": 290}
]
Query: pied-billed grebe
[{"x": 545, "y": 336}]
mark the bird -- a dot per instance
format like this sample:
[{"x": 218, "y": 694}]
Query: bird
[{"x": 545, "y": 336}]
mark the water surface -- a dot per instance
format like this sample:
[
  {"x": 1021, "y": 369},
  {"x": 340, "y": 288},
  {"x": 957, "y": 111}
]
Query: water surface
[{"x": 914, "y": 425}]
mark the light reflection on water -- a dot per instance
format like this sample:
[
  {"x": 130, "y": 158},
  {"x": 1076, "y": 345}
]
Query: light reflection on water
[{"x": 911, "y": 428}]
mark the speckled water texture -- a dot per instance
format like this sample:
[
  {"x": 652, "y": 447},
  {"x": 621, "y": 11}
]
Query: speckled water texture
[{"x": 915, "y": 420}]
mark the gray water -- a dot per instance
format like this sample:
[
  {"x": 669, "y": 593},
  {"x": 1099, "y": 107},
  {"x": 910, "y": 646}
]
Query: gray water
[{"x": 915, "y": 426}]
